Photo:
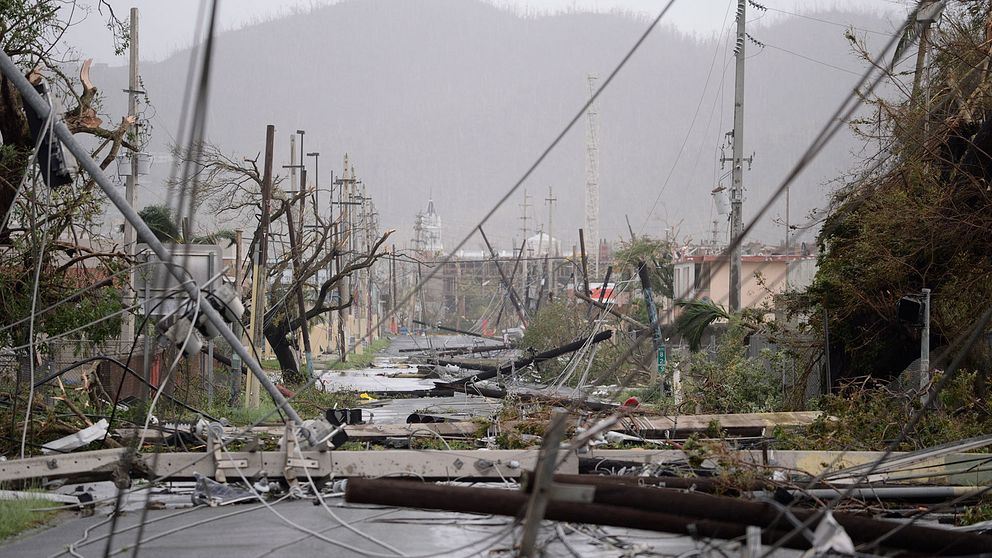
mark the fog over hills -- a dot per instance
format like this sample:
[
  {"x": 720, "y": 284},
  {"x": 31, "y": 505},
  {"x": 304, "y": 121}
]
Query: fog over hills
[{"x": 455, "y": 99}]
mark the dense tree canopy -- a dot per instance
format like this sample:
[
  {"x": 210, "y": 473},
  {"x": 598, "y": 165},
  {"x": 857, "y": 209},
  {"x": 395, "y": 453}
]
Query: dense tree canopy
[{"x": 919, "y": 214}]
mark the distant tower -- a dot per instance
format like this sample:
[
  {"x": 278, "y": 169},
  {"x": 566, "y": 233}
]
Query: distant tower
[
  {"x": 432, "y": 229},
  {"x": 418, "y": 231},
  {"x": 592, "y": 176}
]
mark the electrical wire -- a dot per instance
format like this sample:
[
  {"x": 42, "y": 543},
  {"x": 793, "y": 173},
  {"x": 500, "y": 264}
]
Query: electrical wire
[
  {"x": 804, "y": 57},
  {"x": 334, "y": 516},
  {"x": 828, "y": 22},
  {"x": 346, "y": 546}
]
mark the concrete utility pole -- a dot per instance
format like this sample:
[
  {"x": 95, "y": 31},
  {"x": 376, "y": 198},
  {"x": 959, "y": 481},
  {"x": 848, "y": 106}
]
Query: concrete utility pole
[
  {"x": 924, "y": 18},
  {"x": 292, "y": 166},
  {"x": 927, "y": 14},
  {"x": 127, "y": 325},
  {"x": 392, "y": 292},
  {"x": 524, "y": 287},
  {"x": 343, "y": 231},
  {"x": 737, "y": 188},
  {"x": 260, "y": 278}
]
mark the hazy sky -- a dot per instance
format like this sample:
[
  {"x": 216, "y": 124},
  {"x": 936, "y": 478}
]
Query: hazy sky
[{"x": 168, "y": 25}]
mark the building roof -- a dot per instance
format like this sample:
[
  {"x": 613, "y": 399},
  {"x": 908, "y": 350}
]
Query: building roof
[{"x": 701, "y": 258}]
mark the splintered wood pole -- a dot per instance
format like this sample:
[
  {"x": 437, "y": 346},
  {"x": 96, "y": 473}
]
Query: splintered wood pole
[
  {"x": 260, "y": 277},
  {"x": 543, "y": 474}
]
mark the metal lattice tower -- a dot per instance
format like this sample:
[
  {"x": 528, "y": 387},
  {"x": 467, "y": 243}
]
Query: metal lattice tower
[{"x": 592, "y": 177}]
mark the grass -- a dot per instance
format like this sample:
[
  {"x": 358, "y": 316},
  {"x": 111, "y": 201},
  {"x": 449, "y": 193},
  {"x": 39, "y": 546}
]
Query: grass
[
  {"x": 365, "y": 359},
  {"x": 16, "y": 516},
  {"x": 309, "y": 404}
]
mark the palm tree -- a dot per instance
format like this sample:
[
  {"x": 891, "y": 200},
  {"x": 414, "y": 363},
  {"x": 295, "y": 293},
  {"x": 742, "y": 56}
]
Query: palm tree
[
  {"x": 696, "y": 316},
  {"x": 159, "y": 219}
]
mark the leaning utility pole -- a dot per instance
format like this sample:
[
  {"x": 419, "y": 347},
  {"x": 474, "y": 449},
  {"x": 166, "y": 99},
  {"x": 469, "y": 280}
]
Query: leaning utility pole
[
  {"x": 260, "y": 276},
  {"x": 552, "y": 247},
  {"x": 506, "y": 282},
  {"x": 737, "y": 188},
  {"x": 127, "y": 329}
]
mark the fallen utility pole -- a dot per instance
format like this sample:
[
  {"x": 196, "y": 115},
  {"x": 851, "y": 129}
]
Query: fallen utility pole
[
  {"x": 673, "y": 511},
  {"x": 536, "y": 359},
  {"x": 110, "y": 464},
  {"x": 526, "y": 396},
  {"x": 451, "y": 351},
  {"x": 30, "y": 96},
  {"x": 708, "y": 485},
  {"x": 513, "y": 502},
  {"x": 506, "y": 282},
  {"x": 452, "y": 329}
]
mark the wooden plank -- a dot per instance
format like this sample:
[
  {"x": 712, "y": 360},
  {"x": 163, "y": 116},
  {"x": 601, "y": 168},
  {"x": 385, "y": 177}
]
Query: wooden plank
[{"x": 660, "y": 426}]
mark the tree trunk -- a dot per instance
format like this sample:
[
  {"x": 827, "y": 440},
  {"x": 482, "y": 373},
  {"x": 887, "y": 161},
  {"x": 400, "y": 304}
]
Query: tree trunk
[{"x": 278, "y": 337}]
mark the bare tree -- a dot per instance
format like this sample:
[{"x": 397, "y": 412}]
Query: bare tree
[{"x": 231, "y": 187}]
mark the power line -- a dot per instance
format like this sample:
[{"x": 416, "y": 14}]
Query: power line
[
  {"x": 828, "y": 22},
  {"x": 804, "y": 57}
]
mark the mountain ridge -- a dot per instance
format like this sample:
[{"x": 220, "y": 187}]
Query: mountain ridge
[{"x": 455, "y": 99}]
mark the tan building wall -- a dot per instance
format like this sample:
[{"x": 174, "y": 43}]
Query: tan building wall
[{"x": 698, "y": 277}]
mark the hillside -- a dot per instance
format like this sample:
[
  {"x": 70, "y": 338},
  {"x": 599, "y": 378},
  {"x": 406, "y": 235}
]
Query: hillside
[{"x": 456, "y": 98}]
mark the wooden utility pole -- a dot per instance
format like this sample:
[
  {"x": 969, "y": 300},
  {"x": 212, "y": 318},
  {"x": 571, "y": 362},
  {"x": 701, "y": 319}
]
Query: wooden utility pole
[
  {"x": 260, "y": 275},
  {"x": 127, "y": 325},
  {"x": 294, "y": 248}
]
